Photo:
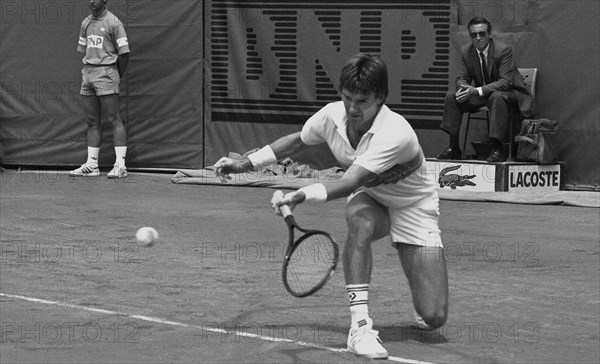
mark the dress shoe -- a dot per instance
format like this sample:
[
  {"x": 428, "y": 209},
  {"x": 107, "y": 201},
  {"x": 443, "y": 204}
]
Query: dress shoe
[
  {"x": 495, "y": 156},
  {"x": 450, "y": 153}
]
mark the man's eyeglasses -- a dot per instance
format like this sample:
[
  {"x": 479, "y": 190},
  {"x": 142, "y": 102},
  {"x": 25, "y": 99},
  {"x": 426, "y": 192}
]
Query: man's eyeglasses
[{"x": 480, "y": 34}]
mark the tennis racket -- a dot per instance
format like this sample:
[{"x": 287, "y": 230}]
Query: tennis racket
[{"x": 309, "y": 260}]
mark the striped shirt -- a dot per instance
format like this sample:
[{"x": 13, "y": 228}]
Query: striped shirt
[{"x": 102, "y": 39}]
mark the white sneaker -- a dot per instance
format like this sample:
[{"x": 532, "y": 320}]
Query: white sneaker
[
  {"x": 117, "y": 172},
  {"x": 364, "y": 341},
  {"x": 421, "y": 324},
  {"x": 86, "y": 170}
]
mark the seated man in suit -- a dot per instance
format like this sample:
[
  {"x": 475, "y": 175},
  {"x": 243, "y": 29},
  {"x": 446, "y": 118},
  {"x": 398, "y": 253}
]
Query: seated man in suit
[{"x": 488, "y": 76}]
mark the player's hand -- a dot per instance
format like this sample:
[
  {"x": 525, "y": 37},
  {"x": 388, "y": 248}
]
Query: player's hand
[
  {"x": 225, "y": 166},
  {"x": 291, "y": 199}
]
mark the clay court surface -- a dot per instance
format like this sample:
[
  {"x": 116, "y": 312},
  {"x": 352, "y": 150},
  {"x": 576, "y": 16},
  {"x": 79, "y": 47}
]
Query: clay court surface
[{"x": 76, "y": 288}]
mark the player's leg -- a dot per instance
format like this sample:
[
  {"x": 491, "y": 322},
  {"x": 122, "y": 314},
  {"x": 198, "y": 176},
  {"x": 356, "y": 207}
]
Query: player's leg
[
  {"x": 425, "y": 269},
  {"x": 422, "y": 258},
  {"x": 367, "y": 221},
  {"x": 110, "y": 114},
  {"x": 91, "y": 110}
]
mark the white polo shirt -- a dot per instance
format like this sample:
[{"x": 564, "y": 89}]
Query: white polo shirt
[{"x": 390, "y": 145}]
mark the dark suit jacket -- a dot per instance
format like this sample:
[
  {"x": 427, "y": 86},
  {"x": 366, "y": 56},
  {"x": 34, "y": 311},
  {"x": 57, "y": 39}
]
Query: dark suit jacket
[{"x": 504, "y": 74}]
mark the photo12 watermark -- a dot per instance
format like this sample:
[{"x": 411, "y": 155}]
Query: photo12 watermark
[
  {"x": 491, "y": 332},
  {"x": 502, "y": 12},
  {"x": 261, "y": 252},
  {"x": 52, "y": 176},
  {"x": 69, "y": 332},
  {"x": 65, "y": 252},
  {"x": 62, "y": 12},
  {"x": 321, "y": 333}
]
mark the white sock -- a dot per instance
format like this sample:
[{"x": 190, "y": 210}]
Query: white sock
[
  {"x": 120, "y": 153},
  {"x": 93, "y": 153},
  {"x": 358, "y": 295}
]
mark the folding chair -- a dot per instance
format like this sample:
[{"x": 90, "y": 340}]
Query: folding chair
[{"x": 529, "y": 79}]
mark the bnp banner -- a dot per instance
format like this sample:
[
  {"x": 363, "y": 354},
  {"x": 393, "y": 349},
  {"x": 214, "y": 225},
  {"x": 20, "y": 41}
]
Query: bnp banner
[{"x": 273, "y": 63}]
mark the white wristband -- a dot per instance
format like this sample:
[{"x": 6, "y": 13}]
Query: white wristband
[
  {"x": 315, "y": 192},
  {"x": 263, "y": 156}
]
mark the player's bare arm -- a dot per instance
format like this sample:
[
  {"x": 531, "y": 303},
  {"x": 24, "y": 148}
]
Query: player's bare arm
[
  {"x": 355, "y": 177},
  {"x": 352, "y": 179},
  {"x": 279, "y": 149}
]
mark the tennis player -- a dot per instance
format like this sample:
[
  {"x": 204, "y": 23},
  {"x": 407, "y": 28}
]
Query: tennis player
[
  {"x": 388, "y": 189},
  {"x": 103, "y": 40}
]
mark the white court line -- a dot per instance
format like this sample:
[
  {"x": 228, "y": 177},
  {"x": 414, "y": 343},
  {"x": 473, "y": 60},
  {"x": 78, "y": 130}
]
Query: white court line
[{"x": 198, "y": 327}]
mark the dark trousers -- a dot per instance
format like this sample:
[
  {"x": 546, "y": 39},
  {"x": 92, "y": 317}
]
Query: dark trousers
[{"x": 499, "y": 103}]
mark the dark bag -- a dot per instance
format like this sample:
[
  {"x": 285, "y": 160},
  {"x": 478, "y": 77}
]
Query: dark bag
[{"x": 538, "y": 141}]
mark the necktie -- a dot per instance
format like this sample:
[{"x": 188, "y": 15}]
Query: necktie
[{"x": 484, "y": 69}]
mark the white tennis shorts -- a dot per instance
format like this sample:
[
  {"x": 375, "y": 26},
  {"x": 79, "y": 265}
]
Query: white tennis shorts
[{"x": 416, "y": 224}]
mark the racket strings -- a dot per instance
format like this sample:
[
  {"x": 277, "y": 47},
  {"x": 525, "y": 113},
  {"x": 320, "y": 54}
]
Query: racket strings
[{"x": 311, "y": 263}]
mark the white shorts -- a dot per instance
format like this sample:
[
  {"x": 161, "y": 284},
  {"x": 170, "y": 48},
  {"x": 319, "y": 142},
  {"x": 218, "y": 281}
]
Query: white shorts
[{"x": 416, "y": 224}]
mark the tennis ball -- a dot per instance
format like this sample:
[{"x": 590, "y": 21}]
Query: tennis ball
[{"x": 146, "y": 236}]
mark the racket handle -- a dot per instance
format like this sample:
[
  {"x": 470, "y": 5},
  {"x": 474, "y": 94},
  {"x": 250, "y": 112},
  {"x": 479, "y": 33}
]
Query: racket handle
[{"x": 284, "y": 209}]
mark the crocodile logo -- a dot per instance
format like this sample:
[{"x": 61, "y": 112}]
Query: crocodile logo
[{"x": 454, "y": 180}]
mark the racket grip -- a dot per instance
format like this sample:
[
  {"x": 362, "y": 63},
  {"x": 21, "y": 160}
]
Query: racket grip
[{"x": 284, "y": 209}]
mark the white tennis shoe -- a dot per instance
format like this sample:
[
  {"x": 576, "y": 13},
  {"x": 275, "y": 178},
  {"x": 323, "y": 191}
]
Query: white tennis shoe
[
  {"x": 86, "y": 170},
  {"x": 364, "y": 341},
  {"x": 117, "y": 172}
]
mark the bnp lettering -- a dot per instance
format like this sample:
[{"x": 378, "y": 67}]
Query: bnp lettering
[{"x": 95, "y": 41}]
